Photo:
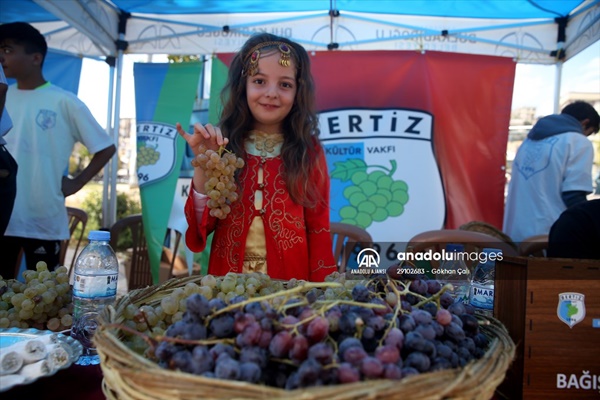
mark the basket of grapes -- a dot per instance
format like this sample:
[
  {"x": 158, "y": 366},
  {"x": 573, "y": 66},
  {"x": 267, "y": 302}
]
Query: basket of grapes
[{"x": 250, "y": 337}]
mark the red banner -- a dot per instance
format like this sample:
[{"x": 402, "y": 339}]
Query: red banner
[{"x": 469, "y": 98}]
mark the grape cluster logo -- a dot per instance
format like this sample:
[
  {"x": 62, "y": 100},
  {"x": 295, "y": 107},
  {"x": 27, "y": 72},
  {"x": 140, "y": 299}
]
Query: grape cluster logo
[
  {"x": 155, "y": 151},
  {"x": 372, "y": 196},
  {"x": 571, "y": 308},
  {"x": 383, "y": 173}
]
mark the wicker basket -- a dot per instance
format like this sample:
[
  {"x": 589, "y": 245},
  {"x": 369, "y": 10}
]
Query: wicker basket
[
  {"x": 488, "y": 229},
  {"x": 128, "y": 375}
]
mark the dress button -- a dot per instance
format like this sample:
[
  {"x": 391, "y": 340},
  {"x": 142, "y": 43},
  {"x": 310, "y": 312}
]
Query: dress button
[
  {"x": 261, "y": 185},
  {"x": 262, "y": 211}
]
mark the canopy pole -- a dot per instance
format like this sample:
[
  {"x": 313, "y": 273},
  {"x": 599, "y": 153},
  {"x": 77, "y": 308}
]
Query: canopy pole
[
  {"x": 112, "y": 204},
  {"x": 557, "y": 83},
  {"x": 106, "y": 194}
]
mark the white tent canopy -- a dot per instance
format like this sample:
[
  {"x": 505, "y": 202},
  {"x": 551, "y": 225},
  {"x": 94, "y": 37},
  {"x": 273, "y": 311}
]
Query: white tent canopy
[{"x": 528, "y": 31}]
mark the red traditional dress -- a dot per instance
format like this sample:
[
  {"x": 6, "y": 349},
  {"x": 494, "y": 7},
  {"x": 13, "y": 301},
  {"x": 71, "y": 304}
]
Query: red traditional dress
[{"x": 266, "y": 230}]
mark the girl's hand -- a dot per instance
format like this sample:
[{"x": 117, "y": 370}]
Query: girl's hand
[{"x": 208, "y": 135}]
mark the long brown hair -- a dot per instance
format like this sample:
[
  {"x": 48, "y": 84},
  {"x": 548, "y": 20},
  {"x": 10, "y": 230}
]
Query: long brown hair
[{"x": 300, "y": 127}]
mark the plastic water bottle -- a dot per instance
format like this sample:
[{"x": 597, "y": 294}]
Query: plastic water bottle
[
  {"x": 94, "y": 287},
  {"x": 455, "y": 271},
  {"x": 482, "y": 284}
]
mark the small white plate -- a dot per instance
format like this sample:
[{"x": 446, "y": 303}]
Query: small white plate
[{"x": 11, "y": 336}]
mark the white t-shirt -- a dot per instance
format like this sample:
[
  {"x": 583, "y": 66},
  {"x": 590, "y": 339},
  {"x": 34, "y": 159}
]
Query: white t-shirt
[
  {"x": 47, "y": 122},
  {"x": 541, "y": 172},
  {"x": 5, "y": 121}
]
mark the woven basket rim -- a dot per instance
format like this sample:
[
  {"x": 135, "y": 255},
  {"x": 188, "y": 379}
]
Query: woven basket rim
[{"x": 128, "y": 375}]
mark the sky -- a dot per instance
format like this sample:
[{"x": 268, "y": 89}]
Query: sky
[{"x": 533, "y": 86}]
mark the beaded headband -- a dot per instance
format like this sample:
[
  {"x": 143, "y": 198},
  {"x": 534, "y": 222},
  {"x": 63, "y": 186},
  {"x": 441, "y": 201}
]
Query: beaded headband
[{"x": 254, "y": 55}]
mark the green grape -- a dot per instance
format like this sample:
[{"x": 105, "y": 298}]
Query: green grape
[
  {"x": 358, "y": 177},
  {"x": 350, "y": 190},
  {"x": 379, "y": 200},
  {"x": 357, "y": 198},
  {"x": 350, "y": 221},
  {"x": 4, "y": 322},
  {"x": 386, "y": 194},
  {"x": 368, "y": 188},
  {"x": 348, "y": 212},
  {"x": 380, "y": 214},
  {"x": 363, "y": 220},
  {"x": 401, "y": 196},
  {"x": 398, "y": 185},
  {"x": 375, "y": 175},
  {"x": 395, "y": 208},
  {"x": 367, "y": 207},
  {"x": 385, "y": 182}
]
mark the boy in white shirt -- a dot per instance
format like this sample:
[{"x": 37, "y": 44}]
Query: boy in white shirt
[{"x": 48, "y": 121}]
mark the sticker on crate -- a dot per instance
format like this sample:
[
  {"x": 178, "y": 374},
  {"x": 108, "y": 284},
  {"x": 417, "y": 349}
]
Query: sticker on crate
[
  {"x": 571, "y": 308},
  {"x": 596, "y": 323}
]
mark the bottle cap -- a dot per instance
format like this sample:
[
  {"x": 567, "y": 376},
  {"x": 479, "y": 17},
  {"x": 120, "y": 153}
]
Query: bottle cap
[
  {"x": 452, "y": 247},
  {"x": 99, "y": 235}
]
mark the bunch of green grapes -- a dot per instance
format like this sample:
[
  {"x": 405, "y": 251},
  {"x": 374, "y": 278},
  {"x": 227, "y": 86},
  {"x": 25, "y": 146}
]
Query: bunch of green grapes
[
  {"x": 147, "y": 156},
  {"x": 44, "y": 301},
  {"x": 373, "y": 196},
  {"x": 219, "y": 167}
]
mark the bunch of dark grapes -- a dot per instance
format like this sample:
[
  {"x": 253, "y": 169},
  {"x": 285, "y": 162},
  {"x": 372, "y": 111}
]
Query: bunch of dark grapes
[
  {"x": 297, "y": 338},
  {"x": 219, "y": 167},
  {"x": 43, "y": 301}
]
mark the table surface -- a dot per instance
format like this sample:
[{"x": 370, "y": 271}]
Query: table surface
[{"x": 74, "y": 383}]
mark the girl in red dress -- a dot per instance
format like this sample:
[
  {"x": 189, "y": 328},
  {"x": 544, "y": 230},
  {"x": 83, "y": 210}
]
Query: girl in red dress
[{"x": 280, "y": 223}]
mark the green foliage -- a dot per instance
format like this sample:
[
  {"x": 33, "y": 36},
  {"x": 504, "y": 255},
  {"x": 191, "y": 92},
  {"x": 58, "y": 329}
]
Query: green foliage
[
  {"x": 125, "y": 206},
  {"x": 181, "y": 59}
]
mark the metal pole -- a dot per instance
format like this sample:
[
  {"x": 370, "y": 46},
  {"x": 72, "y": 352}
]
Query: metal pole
[{"x": 106, "y": 194}]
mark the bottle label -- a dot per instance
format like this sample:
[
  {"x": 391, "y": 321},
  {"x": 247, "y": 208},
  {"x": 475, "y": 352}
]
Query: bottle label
[
  {"x": 482, "y": 297},
  {"x": 95, "y": 285}
]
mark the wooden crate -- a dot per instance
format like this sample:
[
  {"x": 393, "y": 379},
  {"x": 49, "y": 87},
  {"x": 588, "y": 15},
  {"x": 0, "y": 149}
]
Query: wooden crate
[{"x": 554, "y": 359}]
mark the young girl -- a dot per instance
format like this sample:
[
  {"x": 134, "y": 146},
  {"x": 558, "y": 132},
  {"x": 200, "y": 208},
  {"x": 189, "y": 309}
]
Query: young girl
[{"x": 280, "y": 223}]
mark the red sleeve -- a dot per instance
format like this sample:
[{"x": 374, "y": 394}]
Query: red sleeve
[
  {"x": 197, "y": 231},
  {"x": 320, "y": 247}
]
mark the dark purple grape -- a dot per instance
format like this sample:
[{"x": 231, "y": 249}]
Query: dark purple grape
[
  {"x": 254, "y": 354},
  {"x": 354, "y": 355},
  {"x": 227, "y": 368},
  {"x": 312, "y": 295},
  {"x": 347, "y": 373},
  {"x": 380, "y": 310},
  {"x": 387, "y": 354},
  {"x": 347, "y": 343},
  {"x": 426, "y": 330},
  {"x": 417, "y": 360},
  {"x": 256, "y": 309},
  {"x": 317, "y": 329},
  {"x": 216, "y": 304},
  {"x": 406, "y": 323},
  {"x": 250, "y": 372},
  {"x": 266, "y": 324},
  {"x": 440, "y": 363},
  {"x": 250, "y": 336},
  {"x": 281, "y": 344},
  {"x": 443, "y": 351},
  {"x": 221, "y": 348},
  {"x": 371, "y": 367},
  {"x": 191, "y": 318},
  {"x": 287, "y": 323},
  {"x": 361, "y": 294},
  {"x": 481, "y": 341},
  {"x": 439, "y": 329},
  {"x": 177, "y": 329},
  {"x": 469, "y": 309},
  {"x": 456, "y": 319},
  {"x": 408, "y": 371},
  {"x": 347, "y": 323},
  {"x": 433, "y": 286},
  {"x": 431, "y": 308},
  {"x": 165, "y": 350},
  {"x": 241, "y": 320},
  {"x": 293, "y": 381},
  {"x": 395, "y": 337},
  {"x": 222, "y": 325},
  {"x": 470, "y": 324},
  {"x": 446, "y": 300},
  {"x": 194, "y": 332},
  {"x": 299, "y": 350},
  {"x": 457, "y": 308},
  {"x": 198, "y": 305},
  {"x": 454, "y": 332},
  {"x": 392, "y": 371},
  {"x": 377, "y": 322},
  {"x": 182, "y": 360},
  {"x": 308, "y": 372},
  {"x": 202, "y": 360},
  {"x": 265, "y": 339},
  {"x": 468, "y": 344},
  {"x": 406, "y": 306},
  {"x": 418, "y": 286},
  {"x": 421, "y": 316},
  {"x": 322, "y": 352}
]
